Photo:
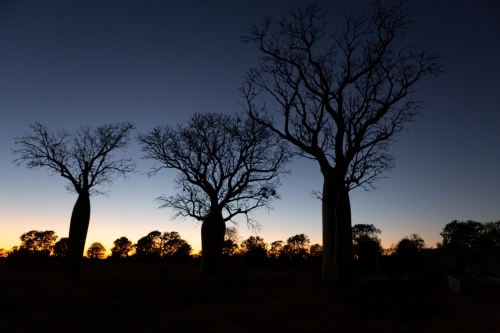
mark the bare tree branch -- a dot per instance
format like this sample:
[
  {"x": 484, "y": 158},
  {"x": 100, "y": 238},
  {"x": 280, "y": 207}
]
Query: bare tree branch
[
  {"x": 84, "y": 158},
  {"x": 343, "y": 97},
  {"x": 226, "y": 163}
]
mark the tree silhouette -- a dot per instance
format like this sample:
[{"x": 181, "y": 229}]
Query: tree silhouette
[
  {"x": 315, "y": 251},
  {"x": 39, "y": 243},
  {"x": 96, "y": 251},
  {"x": 409, "y": 252},
  {"x": 3, "y": 253},
  {"x": 276, "y": 249},
  {"x": 471, "y": 234},
  {"x": 366, "y": 244},
  {"x": 61, "y": 248},
  {"x": 254, "y": 250},
  {"x": 85, "y": 159},
  {"x": 121, "y": 248},
  {"x": 297, "y": 247},
  {"x": 341, "y": 99},
  {"x": 411, "y": 244},
  {"x": 149, "y": 246},
  {"x": 156, "y": 245},
  {"x": 228, "y": 166},
  {"x": 173, "y": 246},
  {"x": 491, "y": 235}
]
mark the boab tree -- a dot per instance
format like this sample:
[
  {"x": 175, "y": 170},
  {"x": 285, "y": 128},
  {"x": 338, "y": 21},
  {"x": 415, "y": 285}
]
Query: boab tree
[
  {"x": 228, "y": 166},
  {"x": 85, "y": 159},
  {"x": 341, "y": 98}
]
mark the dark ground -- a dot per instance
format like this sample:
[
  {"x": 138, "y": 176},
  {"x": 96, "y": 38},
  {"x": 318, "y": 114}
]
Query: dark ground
[{"x": 160, "y": 297}]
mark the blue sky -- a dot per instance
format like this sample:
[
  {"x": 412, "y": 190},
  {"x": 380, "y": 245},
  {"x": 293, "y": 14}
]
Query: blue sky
[{"x": 72, "y": 63}]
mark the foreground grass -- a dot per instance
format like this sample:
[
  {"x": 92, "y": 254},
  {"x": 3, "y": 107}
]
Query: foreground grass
[{"x": 140, "y": 297}]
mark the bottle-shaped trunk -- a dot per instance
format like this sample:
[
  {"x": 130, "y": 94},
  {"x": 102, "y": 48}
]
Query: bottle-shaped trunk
[
  {"x": 78, "y": 228},
  {"x": 337, "y": 231},
  {"x": 212, "y": 239}
]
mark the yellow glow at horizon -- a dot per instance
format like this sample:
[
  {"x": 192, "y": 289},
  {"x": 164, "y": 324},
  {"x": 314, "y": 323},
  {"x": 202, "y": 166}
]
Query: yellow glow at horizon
[{"x": 107, "y": 233}]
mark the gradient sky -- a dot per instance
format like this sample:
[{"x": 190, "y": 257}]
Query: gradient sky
[{"x": 73, "y": 63}]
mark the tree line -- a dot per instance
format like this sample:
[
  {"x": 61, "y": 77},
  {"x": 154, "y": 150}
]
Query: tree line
[
  {"x": 169, "y": 245},
  {"x": 338, "y": 97}
]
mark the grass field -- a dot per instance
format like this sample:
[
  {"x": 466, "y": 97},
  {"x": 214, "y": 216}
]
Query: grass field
[{"x": 161, "y": 297}]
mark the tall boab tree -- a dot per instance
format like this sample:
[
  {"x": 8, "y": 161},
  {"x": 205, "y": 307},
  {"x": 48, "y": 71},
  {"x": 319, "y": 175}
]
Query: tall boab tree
[
  {"x": 341, "y": 98},
  {"x": 84, "y": 158},
  {"x": 228, "y": 166}
]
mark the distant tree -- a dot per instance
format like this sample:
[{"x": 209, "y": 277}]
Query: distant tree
[
  {"x": 183, "y": 251},
  {"x": 297, "y": 247},
  {"x": 315, "y": 251},
  {"x": 228, "y": 166},
  {"x": 408, "y": 252},
  {"x": 61, "y": 248},
  {"x": 229, "y": 248},
  {"x": 3, "y": 253},
  {"x": 341, "y": 98},
  {"x": 85, "y": 159},
  {"x": 366, "y": 244},
  {"x": 121, "y": 248},
  {"x": 156, "y": 245},
  {"x": 149, "y": 246},
  {"x": 409, "y": 245},
  {"x": 254, "y": 250},
  {"x": 173, "y": 246},
  {"x": 38, "y": 243},
  {"x": 276, "y": 249},
  {"x": 96, "y": 251},
  {"x": 369, "y": 230},
  {"x": 471, "y": 234},
  {"x": 491, "y": 234},
  {"x": 252, "y": 243}
]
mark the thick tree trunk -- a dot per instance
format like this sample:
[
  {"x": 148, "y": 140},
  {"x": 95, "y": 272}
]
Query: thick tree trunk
[
  {"x": 212, "y": 239},
  {"x": 337, "y": 229},
  {"x": 78, "y": 228}
]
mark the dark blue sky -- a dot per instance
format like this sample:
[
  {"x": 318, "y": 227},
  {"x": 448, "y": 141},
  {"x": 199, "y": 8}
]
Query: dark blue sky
[{"x": 73, "y": 63}]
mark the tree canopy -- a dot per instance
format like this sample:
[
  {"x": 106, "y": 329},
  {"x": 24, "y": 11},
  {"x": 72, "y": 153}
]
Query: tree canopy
[
  {"x": 84, "y": 157},
  {"x": 471, "y": 234},
  {"x": 156, "y": 245},
  {"x": 366, "y": 244},
  {"x": 39, "y": 243},
  {"x": 121, "y": 248},
  {"x": 96, "y": 251},
  {"x": 227, "y": 161}
]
